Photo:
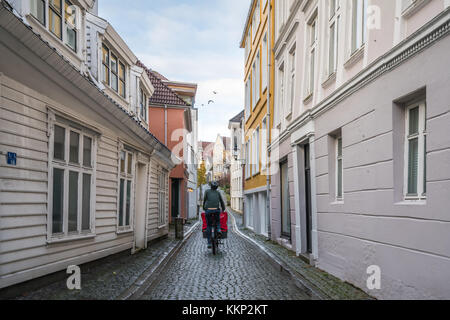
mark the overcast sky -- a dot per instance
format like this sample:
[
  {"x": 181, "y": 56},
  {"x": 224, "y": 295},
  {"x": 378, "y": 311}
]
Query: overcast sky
[{"x": 189, "y": 40}]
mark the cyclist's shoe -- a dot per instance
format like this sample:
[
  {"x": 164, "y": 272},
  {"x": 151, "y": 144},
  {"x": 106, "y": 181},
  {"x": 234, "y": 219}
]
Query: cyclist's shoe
[{"x": 209, "y": 246}]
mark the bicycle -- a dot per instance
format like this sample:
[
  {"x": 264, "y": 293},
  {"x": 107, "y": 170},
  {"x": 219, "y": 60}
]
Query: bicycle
[{"x": 216, "y": 237}]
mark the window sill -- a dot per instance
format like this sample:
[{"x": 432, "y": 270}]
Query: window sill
[
  {"x": 308, "y": 98},
  {"x": 125, "y": 231},
  {"x": 337, "y": 203},
  {"x": 70, "y": 239},
  {"x": 413, "y": 8},
  {"x": 331, "y": 79},
  {"x": 412, "y": 202},
  {"x": 355, "y": 57},
  {"x": 115, "y": 94}
]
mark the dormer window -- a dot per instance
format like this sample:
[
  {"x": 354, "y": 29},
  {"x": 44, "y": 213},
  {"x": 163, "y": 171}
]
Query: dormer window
[
  {"x": 143, "y": 105},
  {"x": 113, "y": 71},
  {"x": 64, "y": 29}
]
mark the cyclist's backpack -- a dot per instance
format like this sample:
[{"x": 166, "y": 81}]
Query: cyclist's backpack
[
  {"x": 224, "y": 224},
  {"x": 204, "y": 225}
]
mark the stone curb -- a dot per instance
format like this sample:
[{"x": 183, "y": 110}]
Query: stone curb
[
  {"x": 148, "y": 277},
  {"x": 301, "y": 282}
]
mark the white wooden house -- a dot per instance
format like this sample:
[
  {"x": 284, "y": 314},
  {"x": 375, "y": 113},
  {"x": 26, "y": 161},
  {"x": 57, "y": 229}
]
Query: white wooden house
[{"x": 81, "y": 177}]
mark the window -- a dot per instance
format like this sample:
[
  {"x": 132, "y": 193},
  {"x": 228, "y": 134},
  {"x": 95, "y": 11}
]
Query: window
[
  {"x": 71, "y": 179},
  {"x": 64, "y": 29},
  {"x": 247, "y": 160},
  {"x": 113, "y": 72},
  {"x": 281, "y": 81},
  {"x": 143, "y": 105},
  {"x": 256, "y": 20},
  {"x": 415, "y": 153},
  {"x": 256, "y": 81},
  {"x": 265, "y": 64},
  {"x": 114, "y": 83},
  {"x": 55, "y": 20},
  {"x": 162, "y": 198},
  {"x": 359, "y": 20},
  {"x": 333, "y": 26},
  {"x": 291, "y": 81},
  {"x": 311, "y": 55},
  {"x": 264, "y": 133},
  {"x": 256, "y": 154},
  {"x": 122, "y": 79},
  {"x": 247, "y": 98},
  {"x": 339, "y": 170},
  {"x": 37, "y": 9},
  {"x": 126, "y": 183},
  {"x": 70, "y": 21},
  {"x": 105, "y": 64}
]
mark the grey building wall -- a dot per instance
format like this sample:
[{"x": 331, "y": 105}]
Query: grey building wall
[{"x": 410, "y": 242}]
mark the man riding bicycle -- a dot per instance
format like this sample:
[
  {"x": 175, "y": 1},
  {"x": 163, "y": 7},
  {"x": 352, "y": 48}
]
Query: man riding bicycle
[{"x": 212, "y": 202}]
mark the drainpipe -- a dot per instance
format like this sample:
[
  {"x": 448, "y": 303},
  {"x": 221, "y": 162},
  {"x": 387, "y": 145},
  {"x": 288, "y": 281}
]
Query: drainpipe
[
  {"x": 268, "y": 126},
  {"x": 165, "y": 124}
]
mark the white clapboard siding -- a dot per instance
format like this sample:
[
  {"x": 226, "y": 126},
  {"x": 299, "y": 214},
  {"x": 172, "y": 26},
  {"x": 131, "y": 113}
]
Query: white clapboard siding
[
  {"x": 24, "y": 251},
  {"x": 153, "y": 229}
]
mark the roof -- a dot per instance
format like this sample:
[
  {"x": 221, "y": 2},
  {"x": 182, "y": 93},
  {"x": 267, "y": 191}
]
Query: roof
[
  {"x": 208, "y": 148},
  {"x": 238, "y": 117},
  {"x": 163, "y": 95}
]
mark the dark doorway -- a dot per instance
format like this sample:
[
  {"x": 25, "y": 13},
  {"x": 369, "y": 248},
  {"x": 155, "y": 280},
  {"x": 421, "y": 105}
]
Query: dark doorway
[
  {"x": 175, "y": 206},
  {"x": 308, "y": 198},
  {"x": 285, "y": 201}
]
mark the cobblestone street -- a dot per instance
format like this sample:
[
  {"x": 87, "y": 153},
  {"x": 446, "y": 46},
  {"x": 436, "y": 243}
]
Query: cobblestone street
[{"x": 240, "y": 271}]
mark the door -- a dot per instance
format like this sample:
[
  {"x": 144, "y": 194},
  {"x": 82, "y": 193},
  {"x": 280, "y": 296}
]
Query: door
[
  {"x": 285, "y": 205},
  {"x": 308, "y": 208},
  {"x": 141, "y": 206},
  {"x": 175, "y": 206}
]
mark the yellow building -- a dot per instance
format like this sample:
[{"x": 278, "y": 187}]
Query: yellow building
[{"x": 258, "y": 42}]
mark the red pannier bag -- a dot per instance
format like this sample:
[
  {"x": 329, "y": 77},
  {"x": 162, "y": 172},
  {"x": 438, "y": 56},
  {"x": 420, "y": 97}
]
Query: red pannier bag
[
  {"x": 224, "y": 224},
  {"x": 204, "y": 225}
]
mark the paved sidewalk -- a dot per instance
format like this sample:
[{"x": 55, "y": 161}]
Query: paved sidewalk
[
  {"x": 112, "y": 277},
  {"x": 328, "y": 286}
]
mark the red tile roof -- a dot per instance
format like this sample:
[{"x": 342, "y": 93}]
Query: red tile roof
[{"x": 163, "y": 95}]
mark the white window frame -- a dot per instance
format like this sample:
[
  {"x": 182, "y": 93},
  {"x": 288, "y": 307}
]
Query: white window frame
[
  {"x": 127, "y": 178},
  {"x": 247, "y": 98},
  {"x": 64, "y": 24},
  {"x": 339, "y": 198},
  {"x": 143, "y": 105},
  {"x": 68, "y": 166},
  {"x": 264, "y": 62},
  {"x": 312, "y": 55},
  {"x": 256, "y": 165},
  {"x": 264, "y": 133},
  {"x": 421, "y": 167},
  {"x": 358, "y": 25},
  {"x": 281, "y": 92},
  {"x": 291, "y": 86},
  {"x": 333, "y": 35},
  {"x": 111, "y": 73},
  {"x": 256, "y": 83}
]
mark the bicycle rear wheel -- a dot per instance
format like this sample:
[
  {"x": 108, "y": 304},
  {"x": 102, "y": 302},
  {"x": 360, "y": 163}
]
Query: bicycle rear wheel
[{"x": 214, "y": 245}]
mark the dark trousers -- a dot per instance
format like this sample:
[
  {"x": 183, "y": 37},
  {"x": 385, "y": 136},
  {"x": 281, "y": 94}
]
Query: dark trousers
[{"x": 209, "y": 222}]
